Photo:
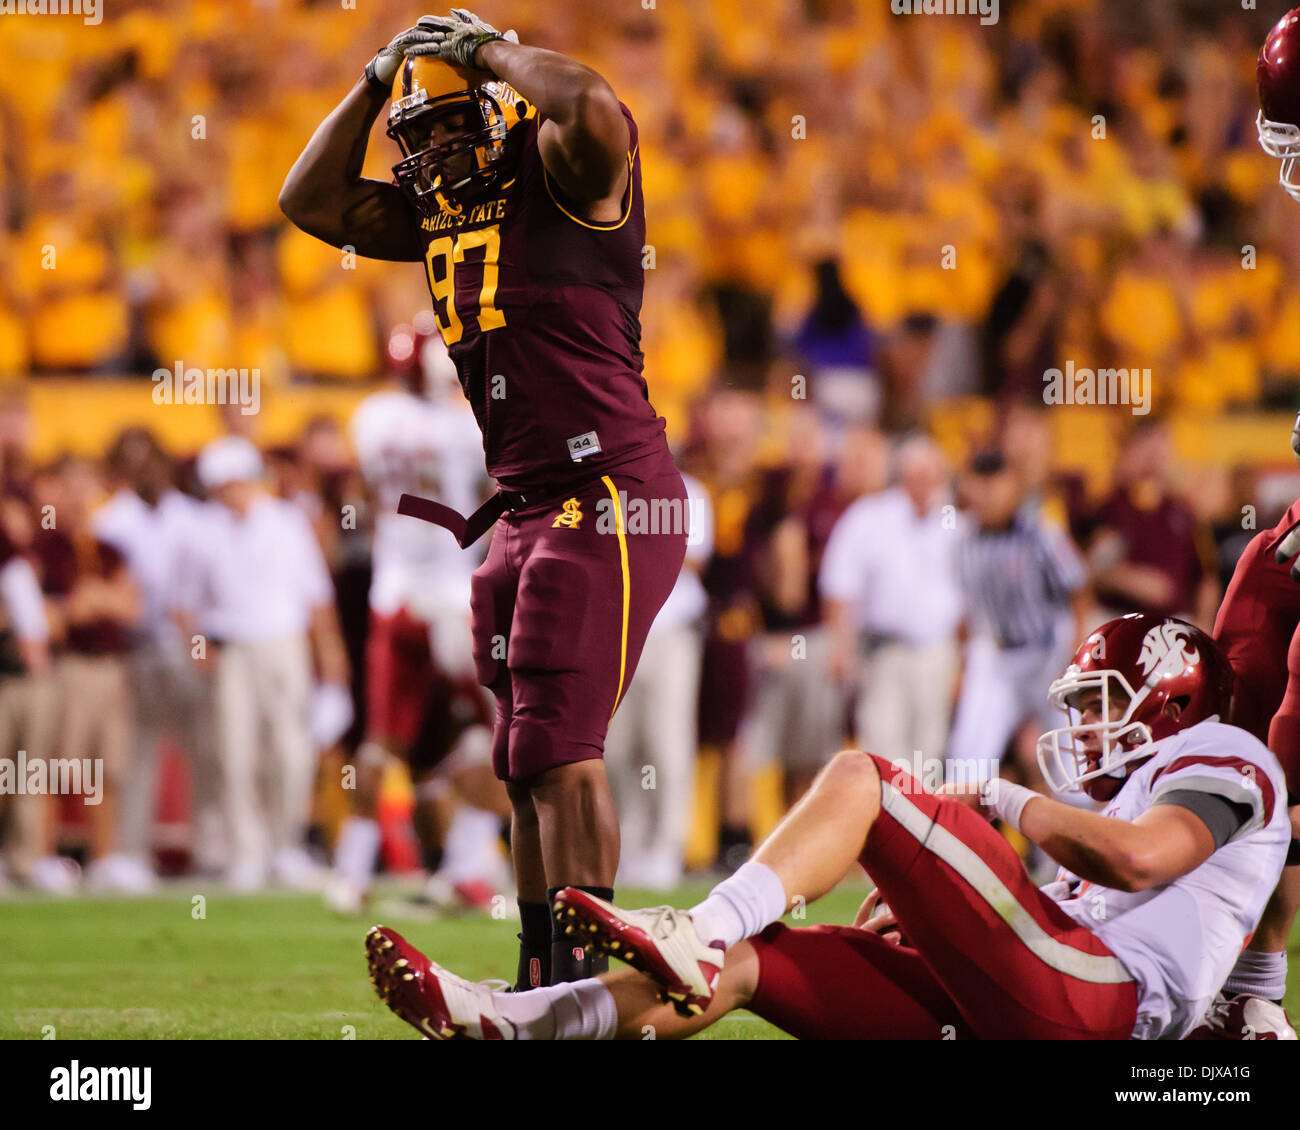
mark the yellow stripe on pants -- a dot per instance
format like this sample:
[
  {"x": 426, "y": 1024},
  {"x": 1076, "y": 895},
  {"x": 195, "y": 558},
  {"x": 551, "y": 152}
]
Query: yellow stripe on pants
[{"x": 621, "y": 527}]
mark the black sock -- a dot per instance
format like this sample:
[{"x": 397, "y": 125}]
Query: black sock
[
  {"x": 734, "y": 846},
  {"x": 431, "y": 858},
  {"x": 569, "y": 960},
  {"x": 534, "y": 946},
  {"x": 729, "y": 835}
]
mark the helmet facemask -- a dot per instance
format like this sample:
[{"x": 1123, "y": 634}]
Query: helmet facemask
[
  {"x": 1066, "y": 762},
  {"x": 1282, "y": 140},
  {"x": 452, "y": 172}
]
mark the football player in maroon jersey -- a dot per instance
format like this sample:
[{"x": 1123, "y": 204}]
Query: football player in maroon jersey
[
  {"x": 520, "y": 191},
  {"x": 1259, "y": 621}
]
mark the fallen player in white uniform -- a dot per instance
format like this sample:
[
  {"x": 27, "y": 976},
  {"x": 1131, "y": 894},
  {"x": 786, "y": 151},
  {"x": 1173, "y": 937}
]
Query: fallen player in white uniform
[{"x": 1157, "y": 894}]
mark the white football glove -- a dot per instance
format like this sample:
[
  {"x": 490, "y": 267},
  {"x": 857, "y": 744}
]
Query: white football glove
[
  {"x": 1287, "y": 550},
  {"x": 331, "y": 714},
  {"x": 460, "y": 35}
]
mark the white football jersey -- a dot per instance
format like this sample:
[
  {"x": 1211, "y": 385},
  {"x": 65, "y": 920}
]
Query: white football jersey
[
  {"x": 1180, "y": 941},
  {"x": 406, "y": 444}
]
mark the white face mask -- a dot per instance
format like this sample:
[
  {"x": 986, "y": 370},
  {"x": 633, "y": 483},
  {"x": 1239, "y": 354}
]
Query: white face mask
[
  {"x": 1282, "y": 141},
  {"x": 1061, "y": 754}
]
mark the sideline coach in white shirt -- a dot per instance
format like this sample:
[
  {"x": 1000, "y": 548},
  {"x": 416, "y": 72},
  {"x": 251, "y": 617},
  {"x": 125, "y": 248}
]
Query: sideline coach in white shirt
[
  {"x": 264, "y": 602},
  {"x": 894, "y": 603}
]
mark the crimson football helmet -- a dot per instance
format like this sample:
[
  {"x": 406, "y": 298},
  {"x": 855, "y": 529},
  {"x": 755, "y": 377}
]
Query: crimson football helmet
[
  {"x": 478, "y": 113},
  {"x": 1142, "y": 665},
  {"x": 419, "y": 359},
  {"x": 1278, "y": 77}
]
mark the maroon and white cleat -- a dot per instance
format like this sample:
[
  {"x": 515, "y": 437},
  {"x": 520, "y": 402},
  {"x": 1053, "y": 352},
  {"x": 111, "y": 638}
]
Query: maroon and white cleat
[
  {"x": 660, "y": 942},
  {"x": 438, "y": 1004},
  {"x": 1243, "y": 1017},
  {"x": 475, "y": 894}
]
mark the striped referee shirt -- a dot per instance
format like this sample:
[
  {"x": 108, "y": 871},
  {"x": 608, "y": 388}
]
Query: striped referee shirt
[{"x": 1018, "y": 580}]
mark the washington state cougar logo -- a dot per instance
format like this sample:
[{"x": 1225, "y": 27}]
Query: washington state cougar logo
[{"x": 1165, "y": 650}]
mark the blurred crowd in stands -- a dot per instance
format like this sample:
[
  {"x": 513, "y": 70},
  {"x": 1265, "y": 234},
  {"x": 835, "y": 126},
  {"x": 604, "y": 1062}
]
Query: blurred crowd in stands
[
  {"x": 214, "y": 605},
  {"x": 913, "y": 207},
  {"x": 854, "y": 218}
]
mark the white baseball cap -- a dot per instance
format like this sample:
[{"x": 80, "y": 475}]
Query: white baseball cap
[{"x": 230, "y": 459}]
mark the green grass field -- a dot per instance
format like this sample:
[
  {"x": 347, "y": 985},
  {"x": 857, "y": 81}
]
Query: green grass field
[{"x": 258, "y": 967}]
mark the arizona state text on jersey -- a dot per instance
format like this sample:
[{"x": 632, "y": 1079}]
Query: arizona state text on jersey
[{"x": 540, "y": 310}]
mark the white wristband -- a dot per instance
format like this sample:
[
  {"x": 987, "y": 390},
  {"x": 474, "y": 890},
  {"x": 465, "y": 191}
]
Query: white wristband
[{"x": 1005, "y": 800}]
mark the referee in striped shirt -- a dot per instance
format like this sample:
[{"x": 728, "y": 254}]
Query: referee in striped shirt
[{"x": 1023, "y": 583}]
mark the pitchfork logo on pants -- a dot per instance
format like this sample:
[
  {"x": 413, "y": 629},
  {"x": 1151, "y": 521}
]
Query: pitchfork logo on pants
[{"x": 571, "y": 517}]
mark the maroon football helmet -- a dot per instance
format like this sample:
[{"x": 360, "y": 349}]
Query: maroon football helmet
[
  {"x": 1278, "y": 76},
  {"x": 419, "y": 359},
  {"x": 1152, "y": 662}
]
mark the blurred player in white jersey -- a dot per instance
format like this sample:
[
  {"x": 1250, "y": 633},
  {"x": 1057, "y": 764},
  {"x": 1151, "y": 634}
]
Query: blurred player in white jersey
[{"x": 423, "y": 702}]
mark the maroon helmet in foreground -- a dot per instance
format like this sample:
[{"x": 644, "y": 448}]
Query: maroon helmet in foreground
[
  {"x": 1168, "y": 675},
  {"x": 420, "y": 361},
  {"x": 1278, "y": 76}
]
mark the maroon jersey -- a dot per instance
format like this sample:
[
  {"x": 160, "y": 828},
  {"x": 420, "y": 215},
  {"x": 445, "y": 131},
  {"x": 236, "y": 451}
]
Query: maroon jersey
[
  {"x": 63, "y": 562},
  {"x": 1163, "y": 537},
  {"x": 817, "y": 511},
  {"x": 540, "y": 311}
]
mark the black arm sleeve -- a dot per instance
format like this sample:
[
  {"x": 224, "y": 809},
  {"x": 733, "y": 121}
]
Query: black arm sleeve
[{"x": 1223, "y": 817}]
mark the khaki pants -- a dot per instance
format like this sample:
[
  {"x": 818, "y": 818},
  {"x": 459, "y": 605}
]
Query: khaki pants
[
  {"x": 95, "y": 725},
  {"x": 798, "y": 716},
  {"x": 268, "y": 764},
  {"x": 655, "y": 729},
  {"x": 95, "y": 702},
  {"x": 27, "y": 720},
  {"x": 905, "y": 701}
]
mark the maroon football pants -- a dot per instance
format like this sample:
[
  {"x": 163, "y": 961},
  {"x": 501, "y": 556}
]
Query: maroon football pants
[{"x": 561, "y": 609}]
